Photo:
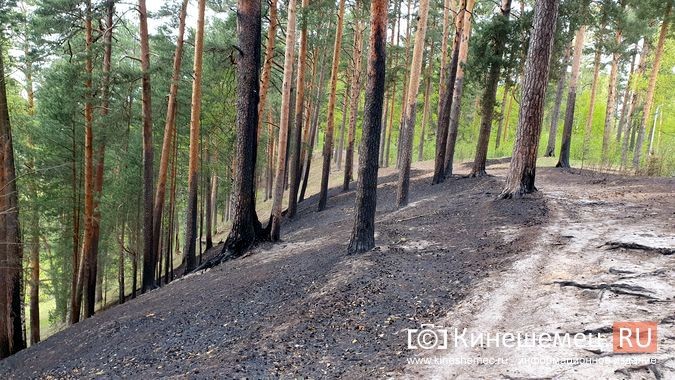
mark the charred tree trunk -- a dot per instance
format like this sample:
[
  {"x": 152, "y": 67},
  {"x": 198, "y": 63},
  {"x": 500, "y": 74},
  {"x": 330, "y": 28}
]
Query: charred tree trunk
[
  {"x": 296, "y": 135},
  {"x": 490, "y": 96},
  {"x": 564, "y": 159},
  {"x": 246, "y": 228},
  {"x": 12, "y": 337},
  {"x": 363, "y": 233},
  {"x": 447, "y": 99},
  {"x": 328, "y": 138},
  {"x": 85, "y": 260},
  {"x": 284, "y": 124},
  {"x": 459, "y": 86},
  {"x": 408, "y": 125},
  {"x": 521, "y": 175},
  {"x": 426, "y": 107},
  {"x": 193, "y": 174},
  {"x": 149, "y": 259}
]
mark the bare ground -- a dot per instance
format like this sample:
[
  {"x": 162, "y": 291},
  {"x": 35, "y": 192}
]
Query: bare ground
[{"x": 303, "y": 308}]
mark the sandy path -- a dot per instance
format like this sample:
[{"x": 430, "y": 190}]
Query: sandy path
[{"x": 533, "y": 297}]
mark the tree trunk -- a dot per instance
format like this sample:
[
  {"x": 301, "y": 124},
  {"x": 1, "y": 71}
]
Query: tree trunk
[
  {"x": 363, "y": 234},
  {"x": 626, "y": 99},
  {"x": 521, "y": 176},
  {"x": 269, "y": 60},
  {"x": 193, "y": 175},
  {"x": 408, "y": 125},
  {"x": 169, "y": 130},
  {"x": 12, "y": 337},
  {"x": 426, "y": 108},
  {"x": 649, "y": 99},
  {"x": 209, "y": 213},
  {"x": 312, "y": 135},
  {"x": 591, "y": 107},
  {"x": 84, "y": 266},
  {"x": 634, "y": 107},
  {"x": 447, "y": 98},
  {"x": 296, "y": 135},
  {"x": 246, "y": 228},
  {"x": 355, "y": 95},
  {"x": 457, "y": 92},
  {"x": 328, "y": 138},
  {"x": 120, "y": 264},
  {"x": 284, "y": 124},
  {"x": 490, "y": 96},
  {"x": 270, "y": 155},
  {"x": 502, "y": 116},
  {"x": 340, "y": 146},
  {"x": 611, "y": 99},
  {"x": 149, "y": 259},
  {"x": 555, "y": 115},
  {"x": 564, "y": 159},
  {"x": 406, "y": 84},
  {"x": 390, "y": 128}
]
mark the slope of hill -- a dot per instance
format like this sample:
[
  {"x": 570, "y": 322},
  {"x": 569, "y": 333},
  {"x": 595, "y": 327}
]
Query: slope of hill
[{"x": 305, "y": 308}]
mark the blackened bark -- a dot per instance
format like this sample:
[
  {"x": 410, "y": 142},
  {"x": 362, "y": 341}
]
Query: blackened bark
[
  {"x": 363, "y": 233},
  {"x": 149, "y": 259},
  {"x": 521, "y": 175},
  {"x": 446, "y": 101},
  {"x": 490, "y": 96},
  {"x": 246, "y": 228},
  {"x": 12, "y": 338}
]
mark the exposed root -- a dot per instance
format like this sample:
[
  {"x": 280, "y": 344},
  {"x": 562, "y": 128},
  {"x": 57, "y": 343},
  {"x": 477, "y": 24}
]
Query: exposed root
[
  {"x": 611, "y": 245},
  {"x": 625, "y": 289},
  {"x": 654, "y": 368}
]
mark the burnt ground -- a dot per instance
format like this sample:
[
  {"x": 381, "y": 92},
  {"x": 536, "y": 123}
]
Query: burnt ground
[{"x": 303, "y": 308}]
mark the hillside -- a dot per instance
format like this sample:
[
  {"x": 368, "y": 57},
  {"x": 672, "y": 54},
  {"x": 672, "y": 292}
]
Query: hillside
[{"x": 303, "y": 308}]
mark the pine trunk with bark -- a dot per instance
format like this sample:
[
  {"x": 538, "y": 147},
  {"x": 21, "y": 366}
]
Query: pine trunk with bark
[
  {"x": 354, "y": 97},
  {"x": 611, "y": 98},
  {"x": 555, "y": 115},
  {"x": 149, "y": 259},
  {"x": 649, "y": 97},
  {"x": 169, "y": 130},
  {"x": 447, "y": 98},
  {"x": 453, "y": 129},
  {"x": 564, "y": 157},
  {"x": 328, "y": 137},
  {"x": 363, "y": 233},
  {"x": 12, "y": 338},
  {"x": 296, "y": 135},
  {"x": 490, "y": 96},
  {"x": 626, "y": 99},
  {"x": 246, "y": 228},
  {"x": 85, "y": 263},
  {"x": 588, "y": 130},
  {"x": 284, "y": 124},
  {"x": 520, "y": 179},
  {"x": 193, "y": 169},
  {"x": 269, "y": 60},
  {"x": 408, "y": 126}
]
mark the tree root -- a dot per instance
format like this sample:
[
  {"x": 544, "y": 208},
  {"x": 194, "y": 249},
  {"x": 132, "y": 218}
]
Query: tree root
[
  {"x": 625, "y": 289},
  {"x": 611, "y": 245},
  {"x": 654, "y": 368}
]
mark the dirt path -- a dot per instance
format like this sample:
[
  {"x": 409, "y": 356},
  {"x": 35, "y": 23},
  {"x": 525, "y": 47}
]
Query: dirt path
[{"x": 574, "y": 279}]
